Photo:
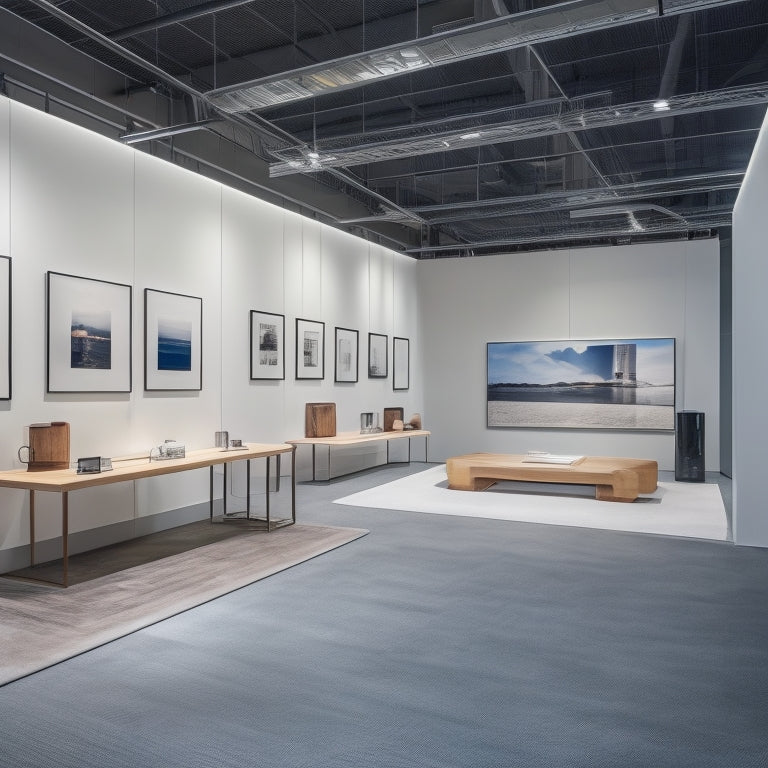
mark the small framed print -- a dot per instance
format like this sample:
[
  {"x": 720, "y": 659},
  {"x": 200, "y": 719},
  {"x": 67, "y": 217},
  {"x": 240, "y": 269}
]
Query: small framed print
[
  {"x": 173, "y": 340},
  {"x": 347, "y": 345},
  {"x": 310, "y": 349},
  {"x": 377, "y": 356},
  {"x": 5, "y": 328},
  {"x": 400, "y": 363},
  {"x": 88, "y": 334},
  {"x": 267, "y": 346}
]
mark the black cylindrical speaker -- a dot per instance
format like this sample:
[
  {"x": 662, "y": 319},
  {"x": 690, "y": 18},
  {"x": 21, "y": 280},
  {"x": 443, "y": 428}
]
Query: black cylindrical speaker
[{"x": 689, "y": 447}]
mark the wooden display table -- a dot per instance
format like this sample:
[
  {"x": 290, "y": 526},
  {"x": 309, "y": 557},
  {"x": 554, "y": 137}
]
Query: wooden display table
[
  {"x": 614, "y": 479},
  {"x": 355, "y": 438},
  {"x": 138, "y": 468}
]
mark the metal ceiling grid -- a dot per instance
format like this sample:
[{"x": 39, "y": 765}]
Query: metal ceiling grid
[{"x": 548, "y": 136}]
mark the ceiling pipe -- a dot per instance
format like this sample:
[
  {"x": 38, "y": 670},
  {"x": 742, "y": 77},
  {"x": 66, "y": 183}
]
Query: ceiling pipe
[
  {"x": 161, "y": 133},
  {"x": 557, "y": 118}
]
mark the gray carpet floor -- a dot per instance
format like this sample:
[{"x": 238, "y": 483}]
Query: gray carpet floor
[{"x": 433, "y": 641}]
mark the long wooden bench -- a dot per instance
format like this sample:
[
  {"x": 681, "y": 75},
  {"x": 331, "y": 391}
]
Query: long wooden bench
[{"x": 614, "y": 479}]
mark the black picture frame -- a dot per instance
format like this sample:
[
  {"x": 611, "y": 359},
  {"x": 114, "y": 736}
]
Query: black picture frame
[
  {"x": 378, "y": 356},
  {"x": 88, "y": 334},
  {"x": 401, "y": 363},
  {"x": 173, "y": 342},
  {"x": 347, "y": 352},
  {"x": 267, "y": 337},
  {"x": 6, "y": 335},
  {"x": 310, "y": 349}
]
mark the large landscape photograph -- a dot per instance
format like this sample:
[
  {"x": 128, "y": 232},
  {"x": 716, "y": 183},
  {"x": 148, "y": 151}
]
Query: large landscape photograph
[{"x": 589, "y": 384}]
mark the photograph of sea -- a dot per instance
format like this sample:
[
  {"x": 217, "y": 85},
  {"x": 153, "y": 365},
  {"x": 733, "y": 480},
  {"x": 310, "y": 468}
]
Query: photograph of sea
[
  {"x": 91, "y": 339},
  {"x": 174, "y": 344},
  {"x": 611, "y": 384},
  {"x": 268, "y": 344}
]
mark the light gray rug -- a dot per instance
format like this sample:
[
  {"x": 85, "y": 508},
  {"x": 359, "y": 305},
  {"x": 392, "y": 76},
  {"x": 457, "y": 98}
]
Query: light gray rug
[
  {"x": 41, "y": 626},
  {"x": 692, "y": 510}
]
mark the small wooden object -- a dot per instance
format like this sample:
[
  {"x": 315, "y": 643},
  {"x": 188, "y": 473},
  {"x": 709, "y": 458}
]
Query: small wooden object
[
  {"x": 48, "y": 446},
  {"x": 390, "y": 415},
  {"x": 320, "y": 420}
]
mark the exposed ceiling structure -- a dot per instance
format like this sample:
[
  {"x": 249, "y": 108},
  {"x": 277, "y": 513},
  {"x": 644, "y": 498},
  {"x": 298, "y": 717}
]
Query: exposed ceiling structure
[{"x": 437, "y": 127}]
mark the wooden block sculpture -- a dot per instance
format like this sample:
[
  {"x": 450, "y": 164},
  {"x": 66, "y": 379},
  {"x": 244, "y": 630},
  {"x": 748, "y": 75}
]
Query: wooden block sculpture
[
  {"x": 614, "y": 479},
  {"x": 48, "y": 446},
  {"x": 391, "y": 415},
  {"x": 320, "y": 420}
]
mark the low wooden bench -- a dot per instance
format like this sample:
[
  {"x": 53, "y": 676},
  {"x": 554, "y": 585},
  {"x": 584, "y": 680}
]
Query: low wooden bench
[{"x": 614, "y": 479}]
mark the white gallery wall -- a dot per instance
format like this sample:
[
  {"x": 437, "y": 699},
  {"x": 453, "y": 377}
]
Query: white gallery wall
[
  {"x": 77, "y": 203},
  {"x": 750, "y": 361},
  {"x": 640, "y": 291}
]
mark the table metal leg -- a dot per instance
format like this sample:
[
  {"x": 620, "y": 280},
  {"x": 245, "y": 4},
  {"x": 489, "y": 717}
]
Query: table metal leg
[
  {"x": 31, "y": 527},
  {"x": 224, "y": 492},
  {"x": 267, "y": 493},
  {"x": 65, "y": 534},
  {"x": 248, "y": 488},
  {"x": 210, "y": 494},
  {"x": 277, "y": 472},
  {"x": 293, "y": 484}
]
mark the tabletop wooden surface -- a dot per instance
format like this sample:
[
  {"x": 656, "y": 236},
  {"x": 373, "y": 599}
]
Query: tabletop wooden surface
[
  {"x": 135, "y": 468},
  {"x": 350, "y": 438}
]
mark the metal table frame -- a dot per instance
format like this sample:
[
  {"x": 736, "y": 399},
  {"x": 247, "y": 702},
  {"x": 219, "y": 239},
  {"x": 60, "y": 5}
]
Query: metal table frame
[
  {"x": 137, "y": 468},
  {"x": 355, "y": 438}
]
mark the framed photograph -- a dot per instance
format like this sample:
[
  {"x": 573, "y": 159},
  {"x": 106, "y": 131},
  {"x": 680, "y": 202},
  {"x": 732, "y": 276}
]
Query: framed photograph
[
  {"x": 377, "y": 356},
  {"x": 88, "y": 339},
  {"x": 310, "y": 349},
  {"x": 624, "y": 384},
  {"x": 173, "y": 341},
  {"x": 267, "y": 345},
  {"x": 347, "y": 345},
  {"x": 401, "y": 364},
  {"x": 5, "y": 328}
]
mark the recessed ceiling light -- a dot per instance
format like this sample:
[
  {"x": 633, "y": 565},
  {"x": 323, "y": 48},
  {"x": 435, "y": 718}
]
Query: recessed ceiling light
[
  {"x": 313, "y": 155},
  {"x": 468, "y": 136},
  {"x": 662, "y": 105}
]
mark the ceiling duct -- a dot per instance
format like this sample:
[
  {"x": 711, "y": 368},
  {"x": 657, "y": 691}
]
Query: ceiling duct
[
  {"x": 496, "y": 35},
  {"x": 558, "y": 117},
  {"x": 568, "y": 200},
  {"x": 504, "y": 34},
  {"x": 653, "y": 224}
]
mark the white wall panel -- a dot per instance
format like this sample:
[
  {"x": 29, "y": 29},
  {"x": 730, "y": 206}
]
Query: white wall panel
[
  {"x": 617, "y": 287},
  {"x": 178, "y": 249},
  {"x": 81, "y": 204},
  {"x": 345, "y": 295},
  {"x": 465, "y": 303},
  {"x": 584, "y": 293},
  {"x": 71, "y": 211},
  {"x": 750, "y": 363},
  {"x": 252, "y": 279}
]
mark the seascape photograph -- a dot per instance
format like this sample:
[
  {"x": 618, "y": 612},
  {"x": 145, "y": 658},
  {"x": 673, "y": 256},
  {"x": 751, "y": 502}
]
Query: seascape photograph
[
  {"x": 606, "y": 384},
  {"x": 91, "y": 339},
  {"x": 174, "y": 344}
]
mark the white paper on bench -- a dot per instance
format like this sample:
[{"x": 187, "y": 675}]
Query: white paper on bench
[{"x": 551, "y": 458}]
